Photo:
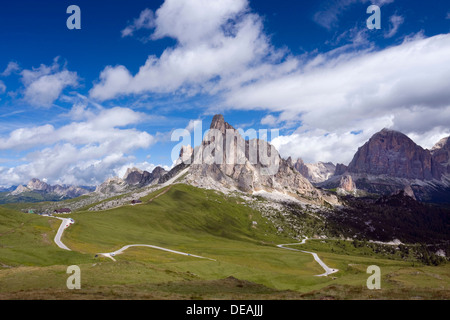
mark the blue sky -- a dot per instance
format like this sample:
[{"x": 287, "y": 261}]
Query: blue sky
[{"x": 79, "y": 106}]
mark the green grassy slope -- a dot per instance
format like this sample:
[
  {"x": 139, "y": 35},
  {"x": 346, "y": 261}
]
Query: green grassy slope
[
  {"x": 243, "y": 243},
  {"x": 27, "y": 240}
]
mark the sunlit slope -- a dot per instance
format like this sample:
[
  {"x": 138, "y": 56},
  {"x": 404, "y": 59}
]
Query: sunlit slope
[
  {"x": 27, "y": 240},
  {"x": 199, "y": 222}
]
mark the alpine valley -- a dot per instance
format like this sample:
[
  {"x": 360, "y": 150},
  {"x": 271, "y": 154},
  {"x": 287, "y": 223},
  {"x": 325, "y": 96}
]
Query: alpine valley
[{"x": 218, "y": 223}]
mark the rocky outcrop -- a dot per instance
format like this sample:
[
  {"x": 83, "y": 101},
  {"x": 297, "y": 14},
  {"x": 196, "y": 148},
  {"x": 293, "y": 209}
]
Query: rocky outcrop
[
  {"x": 185, "y": 156},
  {"x": 315, "y": 172},
  {"x": 441, "y": 155},
  {"x": 226, "y": 161},
  {"x": 390, "y": 162},
  {"x": 394, "y": 154},
  {"x": 133, "y": 176},
  {"x": 340, "y": 169},
  {"x": 137, "y": 177},
  {"x": 347, "y": 184},
  {"x": 112, "y": 186},
  {"x": 20, "y": 189}
]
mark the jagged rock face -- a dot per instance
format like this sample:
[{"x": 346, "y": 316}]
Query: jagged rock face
[
  {"x": 20, "y": 189},
  {"x": 225, "y": 158},
  {"x": 315, "y": 172},
  {"x": 408, "y": 191},
  {"x": 301, "y": 167},
  {"x": 393, "y": 153},
  {"x": 135, "y": 176},
  {"x": 441, "y": 154},
  {"x": 185, "y": 156},
  {"x": 156, "y": 175},
  {"x": 347, "y": 184},
  {"x": 111, "y": 186},
  {"x": 38, "y": 185},
  {"x": 340, "y": 169}
]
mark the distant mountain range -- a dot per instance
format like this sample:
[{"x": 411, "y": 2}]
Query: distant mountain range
[
  {"x": 388, "y": 163},
  {"x": 37, "y": 191}
]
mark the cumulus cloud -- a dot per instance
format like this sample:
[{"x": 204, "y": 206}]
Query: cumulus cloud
[
  {"x": 222, "y": 49},
  {"x": 80, "y": 152},
  {"x": 218, "y": 43},
  {"x": 403, "y": 87},
  {"x": 44, "y": 85}
]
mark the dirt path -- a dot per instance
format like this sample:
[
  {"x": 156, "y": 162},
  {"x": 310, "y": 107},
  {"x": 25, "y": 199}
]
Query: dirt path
[{"x": 160, "y": 194}]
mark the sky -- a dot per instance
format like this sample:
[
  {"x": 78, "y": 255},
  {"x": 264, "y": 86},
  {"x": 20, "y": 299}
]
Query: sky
[{"x": 78, "y": 106}]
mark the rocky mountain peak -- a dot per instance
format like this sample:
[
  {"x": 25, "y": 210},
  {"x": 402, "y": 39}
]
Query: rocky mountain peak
[
  {"x": 441, "y": 155},
  {"x": 130, "y": 171},
  {"x": 218, "y": 123},
  {"x": 36, "y": 184},
  {"x": 393, "y": 153},
  {"x": 315, "y": 172},
  {"x": 444, "y": 143},
  {"x": 42, "y": 187},
  {"x": 226, "y": 161},
  {"x": 135, "y": 176}
]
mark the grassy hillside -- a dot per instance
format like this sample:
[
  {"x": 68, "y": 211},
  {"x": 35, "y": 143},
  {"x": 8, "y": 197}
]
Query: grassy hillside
[
  {"x": 27, "y": 240},
  {"x": 247, "y": 265}
]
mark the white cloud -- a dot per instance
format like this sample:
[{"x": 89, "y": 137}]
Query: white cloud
[
  {"x": 269, "y": 120},
  {"x": 219, "y": 43},
  {"x": 328, "y": 17},
  {"x": 448, "y": 15},
  {"x": 146, "y": 20},
  {"x": 44, "y": 85},
  {"x": 403, "y": 87},
  {"x": 84, "y": 152},
  {"x": 395, "y": 22},
  {"x": 339, "y": 146},
  {"x": 10, "y": 68}
]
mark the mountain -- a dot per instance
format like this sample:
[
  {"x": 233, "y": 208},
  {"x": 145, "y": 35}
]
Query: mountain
[
  {"x": 133, "y": 178},
  {"x": 441, "y": 154},
  {"x": 8, "y": 189},
  {"x": 227, "y": 162},
  {"x": 36, "y": 185},
  {"x": 394, "y": 154},
  {"x": 390, "y": 161},
  {"x": 315, "y": 172}
]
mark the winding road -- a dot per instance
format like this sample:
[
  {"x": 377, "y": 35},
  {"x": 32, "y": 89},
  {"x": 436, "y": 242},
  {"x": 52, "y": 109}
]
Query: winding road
[
  {"x": 327, "y": 269},
  {"x": 64, "y": 225},
  {"x": 67, "y": 222},
  {"x": 112, "y": 254}
]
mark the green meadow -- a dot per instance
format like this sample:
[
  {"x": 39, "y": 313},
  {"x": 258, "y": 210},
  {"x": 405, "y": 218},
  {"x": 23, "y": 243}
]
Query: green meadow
[{"x": 246, "y": 264}]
